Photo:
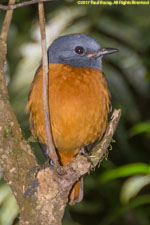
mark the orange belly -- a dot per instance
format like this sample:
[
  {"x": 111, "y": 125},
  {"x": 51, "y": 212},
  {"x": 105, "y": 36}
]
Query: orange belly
[{"x": 79, "y": 104}]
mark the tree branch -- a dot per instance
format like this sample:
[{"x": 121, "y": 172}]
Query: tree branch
[
  {"x": 11, "y": 7},
  {"x": 100, "y": 150},
  {"x": 56, "y": 187},
  {"x": 51, "y": 148},
  {"x": 16, "y": 157},
  {"x": 7, "y": 21}
]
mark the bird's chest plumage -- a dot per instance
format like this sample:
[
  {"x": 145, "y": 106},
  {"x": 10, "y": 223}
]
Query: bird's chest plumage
[{"x": 79, "y": 104}]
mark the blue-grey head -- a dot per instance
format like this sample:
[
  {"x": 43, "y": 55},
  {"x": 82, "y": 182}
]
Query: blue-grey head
[{"x": 79, "y": 50}]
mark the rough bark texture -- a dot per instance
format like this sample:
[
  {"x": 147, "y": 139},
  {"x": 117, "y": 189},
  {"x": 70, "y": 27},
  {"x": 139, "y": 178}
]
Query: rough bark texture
[
  {"x": 53, "y": 189},
  {"x": 16, "y": 158}
]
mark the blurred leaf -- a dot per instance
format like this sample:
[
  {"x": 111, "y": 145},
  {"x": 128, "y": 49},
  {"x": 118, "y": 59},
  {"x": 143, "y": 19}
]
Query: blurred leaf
[
  {"x": 9, "y": 211},
  {"x": 138, "y": 201},
  {"x": 140, "y": 128},
  {"x": 5, "y": 191},
  {"x": 133, "y": 186},
  {"x": 124, "y": 171},
  {"x": 121, "y": 210}
]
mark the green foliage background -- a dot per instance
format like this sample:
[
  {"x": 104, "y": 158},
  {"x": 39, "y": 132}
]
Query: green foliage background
[{"x": 118, "y": 191}]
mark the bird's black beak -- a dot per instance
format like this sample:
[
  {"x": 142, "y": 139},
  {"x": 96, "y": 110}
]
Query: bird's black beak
[{"x": 102, "y": 52}]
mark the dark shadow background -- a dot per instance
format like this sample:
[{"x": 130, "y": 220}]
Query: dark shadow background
[{"x": 118, "y": 192}]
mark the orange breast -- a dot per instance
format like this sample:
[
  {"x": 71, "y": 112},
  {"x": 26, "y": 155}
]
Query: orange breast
[{"x": 79, "y": 105}]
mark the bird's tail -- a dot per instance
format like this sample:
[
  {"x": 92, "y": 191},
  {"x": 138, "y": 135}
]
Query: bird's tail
[{"x": 76, "y": 193}]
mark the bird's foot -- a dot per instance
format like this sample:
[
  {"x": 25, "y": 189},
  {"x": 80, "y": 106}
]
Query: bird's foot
[
  {"x": 48, "y": 164},
  {"x": 83, "y": 151}
]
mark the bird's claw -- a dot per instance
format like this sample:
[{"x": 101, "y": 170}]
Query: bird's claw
[{"x": 83, "y": 152}]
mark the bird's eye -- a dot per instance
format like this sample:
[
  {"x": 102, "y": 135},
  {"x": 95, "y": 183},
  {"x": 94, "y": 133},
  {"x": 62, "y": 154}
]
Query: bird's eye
[{"x": 79, "y": 50}]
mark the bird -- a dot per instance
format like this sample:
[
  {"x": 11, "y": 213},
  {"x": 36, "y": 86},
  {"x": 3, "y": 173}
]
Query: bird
[{"x": 79, "y": 99}]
